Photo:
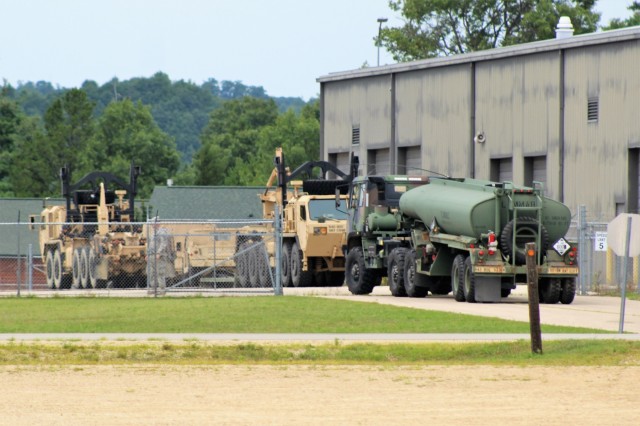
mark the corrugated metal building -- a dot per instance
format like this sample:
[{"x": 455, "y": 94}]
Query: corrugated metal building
[{"x": 565, "y": 112}]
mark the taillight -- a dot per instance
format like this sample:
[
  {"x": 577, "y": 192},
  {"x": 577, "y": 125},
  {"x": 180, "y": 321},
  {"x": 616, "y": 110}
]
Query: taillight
[
  {"x": 572, "y": 255},
  {"x": 493, "y": 244}
]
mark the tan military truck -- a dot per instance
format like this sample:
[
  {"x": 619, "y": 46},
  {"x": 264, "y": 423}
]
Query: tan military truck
[
  {"x": 91, "y": 240},
  {"x": 313, "y": 229}
]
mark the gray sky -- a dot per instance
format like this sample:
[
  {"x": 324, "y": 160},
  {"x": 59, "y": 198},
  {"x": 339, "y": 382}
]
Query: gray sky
[{"x": 282, "y": 45}]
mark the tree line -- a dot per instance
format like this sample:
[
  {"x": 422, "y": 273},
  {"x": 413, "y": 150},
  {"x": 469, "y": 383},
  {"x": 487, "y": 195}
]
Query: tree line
[{"x": 212, "y": 134}]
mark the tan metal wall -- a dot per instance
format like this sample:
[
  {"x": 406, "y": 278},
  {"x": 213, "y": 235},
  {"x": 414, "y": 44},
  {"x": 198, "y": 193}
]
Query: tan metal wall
[
  {"x": 596, "y": 161},
  {"x": 428, "y": 102},
  {"x": 517, "y": 108},
  {"x": 363, "y": 102}
]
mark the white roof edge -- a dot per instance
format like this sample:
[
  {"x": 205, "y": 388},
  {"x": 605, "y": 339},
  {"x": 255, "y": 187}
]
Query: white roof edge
[{"x": 591, "y": 39}]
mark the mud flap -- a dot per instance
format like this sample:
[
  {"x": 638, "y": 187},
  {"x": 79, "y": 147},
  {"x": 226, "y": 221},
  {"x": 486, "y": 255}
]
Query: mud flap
[{"x": 487, "y": 289}]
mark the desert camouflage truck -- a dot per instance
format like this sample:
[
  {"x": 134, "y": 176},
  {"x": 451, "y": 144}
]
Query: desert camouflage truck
[
  {"x": 313, "y": 229},
  {"x": 91, "y": 241}
]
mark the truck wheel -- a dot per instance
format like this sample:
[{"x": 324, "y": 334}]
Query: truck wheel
[
  {"x": 550, "y": 289},
  {"x": 93, "y": 268},
  {"x": 84, "y": 267},
  {"x": 242, "y": 264},
  {"x": 75, "y": 269},
  {"x": 49, "y": 269},
  {"x": 412, "y": 279},
  {"x": 57, "y": 269},
  {"x": 253, "y": 266},
  {"x": 469, "y": 282},
  {"x": 286, "y": 264},
  {"x": 264, "y": 272},
  {"x": 568, "y": 291},
  {"x": 457, "y": 278},
  {"x": 360, "y": 280},
  {"x": 526, "y": 233},
  {"x": 299, "y": 278},
  {"x": 395, "y": 272}
]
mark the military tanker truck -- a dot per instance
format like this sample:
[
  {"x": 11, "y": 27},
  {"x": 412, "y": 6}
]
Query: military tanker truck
[
  {"x": 466, "y": 236},
  {"x": 313, "y": 229},
  {"x": 91, "y": 240}
]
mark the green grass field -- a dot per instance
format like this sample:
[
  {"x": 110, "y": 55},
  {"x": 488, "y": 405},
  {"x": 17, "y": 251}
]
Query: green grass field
[
  {"x": 276, "y": 315},
  {"x": 240, "y": 315}
]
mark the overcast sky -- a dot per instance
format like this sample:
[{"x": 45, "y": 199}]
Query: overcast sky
[{"x": 281, "y": 45}]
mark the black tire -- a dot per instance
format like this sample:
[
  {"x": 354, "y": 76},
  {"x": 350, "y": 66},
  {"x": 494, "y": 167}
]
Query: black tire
[
  {"x": 242, "y": 264},
  {"x": 469, "y": 282},
  {"x": 457, "y": 278},
  {"x": 395, "y": 272},
  {"x": 568, "y": 291},
  {"x": 264, "y": 271},
  {"x": 93, "y": 268},
  {"x": 299, "y": 278},
  {"x": 412, "y": 279},
  {"x": 253, "y": 266},
  {"x": 526, "y": 233},
  {"x": 286, "y": 265},
  {"x": 550, "y": 290},
  {"x": 84, "y": 267},
  {"x": 49, "y": 269},
  {"x": 57, "y": 270},
  {"x": 75, "y": 269},
  {"x": 335, "y": 278},
  {"x": 360, "y": 280}
]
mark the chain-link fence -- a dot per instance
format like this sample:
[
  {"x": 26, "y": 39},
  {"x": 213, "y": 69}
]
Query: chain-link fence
[
  {"x": 208, "y": 256},
  {"x": 155, "y": 257},
  {"x": 600, "y": 268}
]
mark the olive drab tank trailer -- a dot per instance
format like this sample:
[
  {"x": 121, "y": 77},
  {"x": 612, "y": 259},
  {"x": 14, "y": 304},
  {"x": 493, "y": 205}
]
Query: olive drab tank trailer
[
  {"x": 91, "y": 239},
  {"x": 466, "y": 236},
  {"x": 313, "y": 228}
]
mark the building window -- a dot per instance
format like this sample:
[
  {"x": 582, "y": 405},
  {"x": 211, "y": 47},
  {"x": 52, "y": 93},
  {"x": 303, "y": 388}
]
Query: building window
[
  {"x": 535, "y": 170},
  {"x": 501, "y": 170},
  {"x": 592, "y": 110},
  {"x": 355, "y": 135}
]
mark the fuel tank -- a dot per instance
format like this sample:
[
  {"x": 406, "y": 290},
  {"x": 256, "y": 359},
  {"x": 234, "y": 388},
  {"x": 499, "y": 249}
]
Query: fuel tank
[{"x": 472, "y": 207}]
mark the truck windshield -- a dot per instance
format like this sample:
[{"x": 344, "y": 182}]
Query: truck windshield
[{"x": 325, "y": 209}]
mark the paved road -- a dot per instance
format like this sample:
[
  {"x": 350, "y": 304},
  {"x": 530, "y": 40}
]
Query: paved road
[{"x": 597, "y": 312}]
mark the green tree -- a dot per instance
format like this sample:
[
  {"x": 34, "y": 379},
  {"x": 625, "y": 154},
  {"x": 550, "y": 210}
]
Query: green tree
[
  {"x": 32, "y": 172},
  {"x": 297, "y": 134},
  {"x": 229, "y": 139},
  {"x": 631, "y": 21},
  {"x": 447, "y": 27},
  {"x": 70, "y": 128},
  {"x": 10, "y": 120},
  {"x": 128, "y": 133}
]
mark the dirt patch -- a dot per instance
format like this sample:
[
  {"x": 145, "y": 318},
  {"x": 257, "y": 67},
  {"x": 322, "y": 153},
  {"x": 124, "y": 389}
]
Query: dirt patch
[{"x": 294, "y": 395}]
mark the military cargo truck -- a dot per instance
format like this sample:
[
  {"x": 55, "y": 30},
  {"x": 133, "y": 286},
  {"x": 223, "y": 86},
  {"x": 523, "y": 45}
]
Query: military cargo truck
[
  {"x": 91, "y": 239},
  {"x": 313, "y": 229},
  {"x": 466, "y": 236}
]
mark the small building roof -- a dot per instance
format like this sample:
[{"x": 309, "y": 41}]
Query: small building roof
[{"x": 206, "y": 202}]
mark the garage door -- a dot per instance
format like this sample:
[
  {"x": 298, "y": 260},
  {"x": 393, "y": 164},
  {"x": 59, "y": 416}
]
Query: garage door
[
  {"x": 413, "y": 161},
  {"x": 382, "y": 162}
]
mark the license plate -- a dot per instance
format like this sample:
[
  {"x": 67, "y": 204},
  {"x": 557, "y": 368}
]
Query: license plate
[
  {"x": 489, "y": 269},
  {"x": 563, "y": 270}
]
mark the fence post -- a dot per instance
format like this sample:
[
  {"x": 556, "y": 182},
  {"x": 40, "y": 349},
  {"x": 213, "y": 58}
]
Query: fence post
[
  {"x": 30, "y": 267},
  {"x": 534, "y": 301},
  {"x": 278, "y": 243},
  {"x": 582, "y": 249}
]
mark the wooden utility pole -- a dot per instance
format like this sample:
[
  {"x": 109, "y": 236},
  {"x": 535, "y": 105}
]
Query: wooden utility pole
[{"x": 534, "y": 300}]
